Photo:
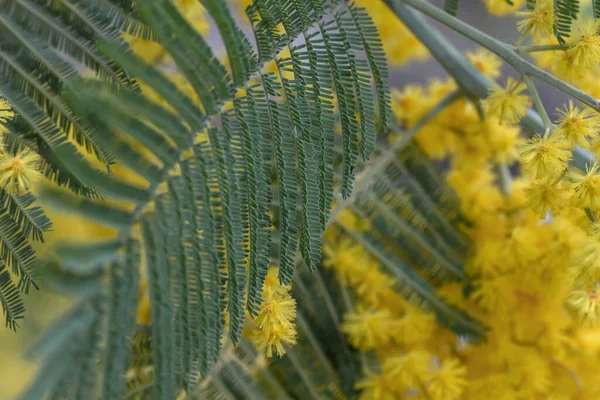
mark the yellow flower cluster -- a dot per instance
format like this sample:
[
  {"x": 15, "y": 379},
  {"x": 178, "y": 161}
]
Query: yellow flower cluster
[
  {"x": 578, "y": 61},
  {"x": 274, "y": 327},
  {"x": 404, "y": 338},
  {"x": 534, "y": 263}
]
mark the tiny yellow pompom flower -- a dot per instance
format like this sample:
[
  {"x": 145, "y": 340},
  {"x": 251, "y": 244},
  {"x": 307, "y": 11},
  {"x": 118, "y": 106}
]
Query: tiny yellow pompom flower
[
  {"x": 586, "y": 305},
  {"x": 275, "y": 339},
  {"x": 6, "y": 114},
  {"x": 544, "y": 158},
  {"x": 587, "y": 186},
  {"x": 486, "y": 62},
  {"x": 368, "y": 330},
  {"x": 537, "y": 21},
  {"x": 508, "y": 104},
  {"x": 410, "y": 369},
  {"x": 20, "y": 171},
  {"x": 274, "y": 326},
  {"x": 577, "y": 125},
  {"x": 544, "y": 195},
  {"x": 585, "y": 50},
  {"x": 377, "y": 387},
  {"x": 448, "y": 382}
]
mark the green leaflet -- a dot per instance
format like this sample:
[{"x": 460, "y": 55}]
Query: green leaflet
[
  {"x": 123, "y": 301},
  {"x": 12, "y": 304},
  {"x": 202, "y": 185},
  {"x": 251, "y": 114},
  {"x": 232, "y": 229},
  {"x": 163, "y": 342},
  {"x": 239, "y": 50},
  {"x": 31, "y": 219},
  {"x": 565, "y": 11},
  {"x": 189, "y": 50}
]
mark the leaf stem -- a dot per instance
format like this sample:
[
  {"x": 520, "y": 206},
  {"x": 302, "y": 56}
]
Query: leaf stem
[
  {"x": 540, "y": 47},
  {"x": 503, "y": 50},
  {"x": 471, "y": 80},
  {"x": 539, "y": 105}
]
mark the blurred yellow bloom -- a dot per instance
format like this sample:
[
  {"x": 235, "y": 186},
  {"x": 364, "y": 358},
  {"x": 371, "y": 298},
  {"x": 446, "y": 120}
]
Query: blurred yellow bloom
[
  {"x": 576, "y": 125},
  {"x": 368, "y": 330},
  {"x": 587, "y": 185},
  {"x": 448, "y": 381},
  {"x": 537, "y": 21},
  {"x": 544, "y": 195},
  {"x": 585, "y": 49},
  {"x": 545, "y": 157},
  {"x": 486, "y": 62},
  {"x": 586, "y": 305},
  {"x": 507, "y": 104}
]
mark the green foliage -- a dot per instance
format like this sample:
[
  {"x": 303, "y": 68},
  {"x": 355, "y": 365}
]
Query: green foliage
[
  {"x": 204, "y": 217},
  {"x": 565, "y": 11}
]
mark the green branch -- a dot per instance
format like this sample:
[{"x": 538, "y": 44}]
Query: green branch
[
  {"x": 471, "y": 80},
  {"x": 503, "y": 50}
]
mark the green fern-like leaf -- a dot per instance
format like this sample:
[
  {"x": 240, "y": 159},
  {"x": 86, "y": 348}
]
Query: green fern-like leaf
[
  {"x": 212, "y": 169},
  {"x": 565, "y": 11}
]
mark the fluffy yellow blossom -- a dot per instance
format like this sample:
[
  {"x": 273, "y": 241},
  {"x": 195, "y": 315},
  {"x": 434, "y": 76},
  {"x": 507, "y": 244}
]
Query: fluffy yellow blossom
[
  {"x": 537, "y": 21},
  {"x": 20, "y": 171},
  {"x": 274, "y": 326},
  {"x": 377, "y": 387},
  {"x": 586, "y": 305},
  {"x": 414, "y": 327},
  {"x": 348, "y": 259},
  {"x": 507, "y": 104},
  {"x": 409, "y": 104},
  {"x": 6, "y": 114},
  {"x": 368, "y": 330},
  {"x": 410, "y": 369},
  {"x": 448, "y": 381},
  {"x": 486, "y": 62},
  {"x": 585, "y": 50},
  {"x": 545, "y": 158},
  {"x": 585, "y": 262},
  {"x": 502, "y": 140},
  {"x": 577, "y": 125},
  {"x": 502, "y": 7},
  {"x": 587, "y": 186},
  {"x": 544, "y": 195}
]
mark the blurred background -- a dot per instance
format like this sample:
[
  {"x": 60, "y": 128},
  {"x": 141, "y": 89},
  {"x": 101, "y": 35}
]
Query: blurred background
[{"x": 43, "y": 307}]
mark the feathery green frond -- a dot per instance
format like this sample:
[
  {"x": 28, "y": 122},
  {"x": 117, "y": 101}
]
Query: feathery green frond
[
  {"x": 123, "y": 301},
  {"x": 12, "y": 304},
  {"x": 214, "y": 166},
  {"x": 30, "y": 218},
  {"x": 565, "y": 11}
]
